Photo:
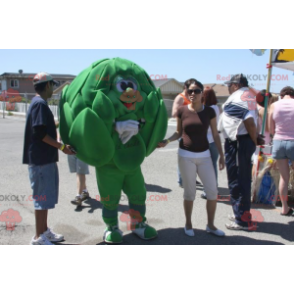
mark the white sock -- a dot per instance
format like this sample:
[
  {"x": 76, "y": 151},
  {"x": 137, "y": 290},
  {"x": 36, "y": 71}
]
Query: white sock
[
  {"x": 85, "y": 190},
  {"x": 80, "y": 196}
]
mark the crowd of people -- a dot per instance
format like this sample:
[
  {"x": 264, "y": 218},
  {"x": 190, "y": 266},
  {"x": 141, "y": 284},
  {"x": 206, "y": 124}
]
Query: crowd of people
[{"x": 200, "y": 153}]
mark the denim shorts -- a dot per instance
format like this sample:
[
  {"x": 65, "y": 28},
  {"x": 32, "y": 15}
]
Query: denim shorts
[
  {"x": 283, "y": 149},
  {"x": 44, "y": 182},
  {"x": 77, "y": 166}
]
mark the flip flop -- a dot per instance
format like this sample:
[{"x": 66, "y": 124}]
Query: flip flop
[{"x": 290, "y": 212}]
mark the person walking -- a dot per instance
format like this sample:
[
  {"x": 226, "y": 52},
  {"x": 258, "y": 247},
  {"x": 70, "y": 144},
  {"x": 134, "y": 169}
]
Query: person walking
[
  {"x": 41, "y": 154},
  {"x": 194, "y": 157},
  {"x": 239, "y": 127},
  {"x": 281, "y": 119}
]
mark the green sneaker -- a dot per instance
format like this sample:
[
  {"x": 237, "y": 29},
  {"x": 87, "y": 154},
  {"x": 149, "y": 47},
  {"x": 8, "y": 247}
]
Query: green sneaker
[
  {"x": 144, "y": 231},
  {"x": 112, "y": 235}
]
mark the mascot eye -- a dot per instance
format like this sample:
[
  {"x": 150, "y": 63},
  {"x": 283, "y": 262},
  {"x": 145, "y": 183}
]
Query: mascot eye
[{"x": 122, "y": 85}]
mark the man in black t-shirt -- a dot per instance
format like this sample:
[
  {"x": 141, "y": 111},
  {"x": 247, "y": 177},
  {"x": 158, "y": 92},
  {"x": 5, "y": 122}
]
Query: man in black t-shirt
[{"x": 41, "y": 154}]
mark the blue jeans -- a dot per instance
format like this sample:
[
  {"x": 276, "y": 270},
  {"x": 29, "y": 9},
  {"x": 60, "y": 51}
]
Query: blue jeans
[
  {"x": 45, "y": 183},
  {"x": 283, "y": 149},
  {"x": 238, "y": 162}
]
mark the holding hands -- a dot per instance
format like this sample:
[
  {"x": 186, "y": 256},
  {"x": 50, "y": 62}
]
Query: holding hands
[{"x": 163, "y": 143}]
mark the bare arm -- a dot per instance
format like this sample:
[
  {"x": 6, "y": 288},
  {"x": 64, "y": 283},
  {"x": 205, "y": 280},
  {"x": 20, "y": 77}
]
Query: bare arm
[
  {"x": 251, "y": 129},
  {"x": 271, "y": 122},
  {"x": 217, "y": 141},
  {"x": 175, "y": 136},
  {"x": 67, "y": 149},
  {"x": 178, "y": 102}
]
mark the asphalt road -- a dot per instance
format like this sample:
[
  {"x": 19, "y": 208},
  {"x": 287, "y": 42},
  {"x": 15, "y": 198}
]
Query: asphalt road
[{"x": 84, "y": 225}]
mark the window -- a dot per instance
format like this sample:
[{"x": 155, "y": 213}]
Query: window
[{"x": 14, "y": 84}]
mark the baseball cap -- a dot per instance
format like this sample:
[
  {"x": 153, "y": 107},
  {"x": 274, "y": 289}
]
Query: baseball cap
[
  {"x": 43, "y": 77},
  {"x": 237, "y": 79}
]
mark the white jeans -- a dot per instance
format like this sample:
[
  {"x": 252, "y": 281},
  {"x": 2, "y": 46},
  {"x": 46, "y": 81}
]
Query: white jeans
[{"x": 189, "y": 168}]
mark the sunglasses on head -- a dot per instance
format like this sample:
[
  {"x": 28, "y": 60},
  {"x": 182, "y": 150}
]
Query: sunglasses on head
[{"x": 196, "y": 91}]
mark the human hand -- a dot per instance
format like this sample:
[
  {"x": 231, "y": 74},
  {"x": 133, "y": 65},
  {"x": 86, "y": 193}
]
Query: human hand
[
  {"x": 69, "y": 150},
  {"x": 162, "y": 144},
  {"x": 221, "y": 163},
  {"x": 260, "y": 140}
]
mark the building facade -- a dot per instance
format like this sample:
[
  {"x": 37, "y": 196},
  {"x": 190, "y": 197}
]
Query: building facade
[{"x": 23, "y": 82}]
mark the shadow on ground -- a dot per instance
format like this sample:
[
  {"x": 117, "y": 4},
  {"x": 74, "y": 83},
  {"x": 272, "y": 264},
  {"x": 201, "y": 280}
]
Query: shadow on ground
[
  {"x": 92, "y": 204},
  {"x": 286, "y": 231},
  {"x": 155, "y": 188},
  {"x": 177, "y": 237}
]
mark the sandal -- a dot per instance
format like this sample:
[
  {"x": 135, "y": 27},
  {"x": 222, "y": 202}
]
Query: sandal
[{"x": 289, "y": 213}]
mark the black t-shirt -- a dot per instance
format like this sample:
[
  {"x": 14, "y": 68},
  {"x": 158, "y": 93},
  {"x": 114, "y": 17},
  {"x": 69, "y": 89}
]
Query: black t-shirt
[
  {"x": 194, "y": 128},
  {"x": 37, "y": 152}
]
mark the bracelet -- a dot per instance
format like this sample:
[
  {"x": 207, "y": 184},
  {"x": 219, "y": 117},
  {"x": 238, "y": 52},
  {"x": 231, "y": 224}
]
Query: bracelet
[
  {"x": 62, "y": 147},
  {"x": 168, "y": 141}
]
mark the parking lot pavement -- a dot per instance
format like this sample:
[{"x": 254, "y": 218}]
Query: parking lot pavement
[{"x": 84, "y": 225}]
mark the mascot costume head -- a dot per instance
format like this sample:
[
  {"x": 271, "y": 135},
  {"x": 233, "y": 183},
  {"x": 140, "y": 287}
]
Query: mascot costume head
[{"x": 114, "y": 117}]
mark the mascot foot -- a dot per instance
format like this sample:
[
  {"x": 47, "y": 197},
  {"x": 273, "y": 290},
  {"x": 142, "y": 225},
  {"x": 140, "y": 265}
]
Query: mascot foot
[
  {"x": 144, "y": 231},
  {"x": 112, "y": 235}
]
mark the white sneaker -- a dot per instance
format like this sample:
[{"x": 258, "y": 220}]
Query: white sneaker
[
  {"x": 189, "y": 233},
  {"x": 42, "y": 240},
  {"x": 217, "y": 232},
  {"x": 53, "y": 237},
  {"x": 236, "y": 227},
  {"x": 231, "y": 217}
]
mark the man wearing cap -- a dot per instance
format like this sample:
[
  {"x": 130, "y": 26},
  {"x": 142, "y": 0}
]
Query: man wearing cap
[
  {"x": 239, "y": 121},
  {"x": 41, "y": 154}
]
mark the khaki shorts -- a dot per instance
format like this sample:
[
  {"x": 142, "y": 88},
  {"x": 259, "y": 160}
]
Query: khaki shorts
[{"x": 77, "y": 166}]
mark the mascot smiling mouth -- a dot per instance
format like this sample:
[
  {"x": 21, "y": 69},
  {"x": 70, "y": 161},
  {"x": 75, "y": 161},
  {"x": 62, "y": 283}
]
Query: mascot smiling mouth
[{"x": 130, "y": 97}]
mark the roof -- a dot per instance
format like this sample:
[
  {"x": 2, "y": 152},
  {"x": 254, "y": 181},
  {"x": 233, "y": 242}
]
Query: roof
[
  {"x": 28, "y": 75},
  {"x": 160, "y": 83},
  {"x": 60, "y": 88},
  {"x": 219, "y": 89}
]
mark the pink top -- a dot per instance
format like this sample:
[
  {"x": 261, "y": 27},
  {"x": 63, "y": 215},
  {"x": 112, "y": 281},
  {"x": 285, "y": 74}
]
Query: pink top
[{"x": 283, "y": 117}]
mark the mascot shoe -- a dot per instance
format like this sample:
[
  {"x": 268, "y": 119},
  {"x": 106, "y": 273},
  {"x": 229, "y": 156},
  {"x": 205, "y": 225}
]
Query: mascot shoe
[
  {"x": 144, "y": 231},
  {"x": 112, "y": 235}
]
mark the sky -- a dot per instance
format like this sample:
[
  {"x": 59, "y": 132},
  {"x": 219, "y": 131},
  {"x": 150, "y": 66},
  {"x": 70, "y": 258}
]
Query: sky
[{"x": 206, "y": 65}]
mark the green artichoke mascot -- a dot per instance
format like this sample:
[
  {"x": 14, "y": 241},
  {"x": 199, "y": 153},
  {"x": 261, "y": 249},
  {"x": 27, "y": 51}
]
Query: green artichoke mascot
[{"x": 113, "y": 116}]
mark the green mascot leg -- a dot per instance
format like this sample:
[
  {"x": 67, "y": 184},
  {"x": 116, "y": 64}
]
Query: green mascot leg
[
  {"x": 134, "y": 187},
  {"x": 110, "y": 183}
]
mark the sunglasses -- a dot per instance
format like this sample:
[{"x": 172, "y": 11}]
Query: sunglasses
[{"x": 196, "y": 91}]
